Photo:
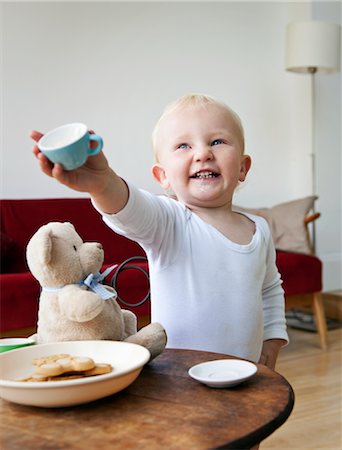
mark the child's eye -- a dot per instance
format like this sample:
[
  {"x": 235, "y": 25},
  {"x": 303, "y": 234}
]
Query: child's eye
[
  {"x": 183, "y": 146},
  {"x": 217, "y": 142}
]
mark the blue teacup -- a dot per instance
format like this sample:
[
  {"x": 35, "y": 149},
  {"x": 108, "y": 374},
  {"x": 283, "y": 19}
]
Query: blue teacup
[{"x": 69, "y": 145}]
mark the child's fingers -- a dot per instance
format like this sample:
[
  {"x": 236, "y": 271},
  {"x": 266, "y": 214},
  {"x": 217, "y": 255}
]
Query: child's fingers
[
  {"x": 69, "y": 178},
  {"x": 59, "y": 173},
  {"x": 263, "y": 359},
  {"x": 53, "y": 170},
  {"x": 93, "y": 144},
  {"x": 35, "y": 135},
  {"x": 45, "y": 165},
  {"x": 36, "y": 151}
]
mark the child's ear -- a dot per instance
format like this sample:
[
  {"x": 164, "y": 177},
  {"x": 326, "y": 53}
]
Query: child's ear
[
  {"x": 246, "y": 163},
  {"x": 159, "y": 175}
]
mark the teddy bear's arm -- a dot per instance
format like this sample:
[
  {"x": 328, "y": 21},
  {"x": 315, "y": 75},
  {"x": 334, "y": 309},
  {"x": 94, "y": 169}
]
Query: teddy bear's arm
[
  {"x": 78, "y": 304},
  {"x": 152, "y": 336},
  {"x": 130, "y": 323}
]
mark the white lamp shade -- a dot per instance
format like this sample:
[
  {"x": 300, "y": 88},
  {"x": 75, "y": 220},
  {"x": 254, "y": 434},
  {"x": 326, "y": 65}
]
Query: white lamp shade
[{"x": 313, "y": 46}]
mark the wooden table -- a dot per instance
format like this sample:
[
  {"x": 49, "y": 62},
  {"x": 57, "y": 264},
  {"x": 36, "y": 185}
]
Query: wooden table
[{"x": 163, "y": 409}]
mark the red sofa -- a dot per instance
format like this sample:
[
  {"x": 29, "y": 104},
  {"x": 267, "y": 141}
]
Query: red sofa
[{"x": 19, "y": 291}]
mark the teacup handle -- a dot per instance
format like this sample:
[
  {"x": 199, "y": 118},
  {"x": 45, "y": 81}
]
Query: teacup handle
[{"x": 98, "y": 139}]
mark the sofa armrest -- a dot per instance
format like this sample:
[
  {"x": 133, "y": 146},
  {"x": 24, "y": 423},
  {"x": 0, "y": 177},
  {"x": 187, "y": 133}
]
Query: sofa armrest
[{"x": 19, "y": 295}]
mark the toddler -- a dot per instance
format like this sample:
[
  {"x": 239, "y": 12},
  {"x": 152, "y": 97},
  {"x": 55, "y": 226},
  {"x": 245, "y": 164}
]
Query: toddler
[{"x": 214, "y": 282}]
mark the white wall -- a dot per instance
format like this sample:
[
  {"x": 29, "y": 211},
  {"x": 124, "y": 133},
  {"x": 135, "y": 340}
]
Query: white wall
[
  {"x": 114, "y": 66},
  {"x": 329, "y": 159}
]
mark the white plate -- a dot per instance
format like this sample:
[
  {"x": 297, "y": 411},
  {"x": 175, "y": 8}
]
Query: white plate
[
  {"x": 222, "y": 373},
  {"x": 127, "y": 360},
  {"x": 7, "y": 344}
]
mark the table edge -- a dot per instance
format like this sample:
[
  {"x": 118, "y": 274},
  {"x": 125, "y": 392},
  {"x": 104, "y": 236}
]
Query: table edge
[{"x": 265, "y": 431}]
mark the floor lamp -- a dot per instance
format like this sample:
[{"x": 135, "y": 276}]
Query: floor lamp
[{"x": 313, "y": 47}]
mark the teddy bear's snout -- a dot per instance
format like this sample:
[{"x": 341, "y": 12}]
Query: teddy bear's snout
[{"x": 91, "y": 257}]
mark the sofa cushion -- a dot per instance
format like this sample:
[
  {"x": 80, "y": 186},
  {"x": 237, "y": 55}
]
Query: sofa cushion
[
  {"x": 20, "y": 219},
  {"x": 301, "y": 274},
  {"x": 19, "y": 295},
  {"x": 132, "y": 286},
  {"x": 286, "y": 222},
  {"x": 9, "y": 252}
]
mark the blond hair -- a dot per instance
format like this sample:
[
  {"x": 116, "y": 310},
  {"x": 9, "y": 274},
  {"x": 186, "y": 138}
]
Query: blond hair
[{"x": 195, "y": 100}]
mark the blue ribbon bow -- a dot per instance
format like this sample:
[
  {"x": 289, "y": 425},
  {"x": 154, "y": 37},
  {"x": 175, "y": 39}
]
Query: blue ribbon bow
[{"x": 93, "y": 282}]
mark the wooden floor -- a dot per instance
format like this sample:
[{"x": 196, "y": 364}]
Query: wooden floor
[{"x": 316, "y": 377}]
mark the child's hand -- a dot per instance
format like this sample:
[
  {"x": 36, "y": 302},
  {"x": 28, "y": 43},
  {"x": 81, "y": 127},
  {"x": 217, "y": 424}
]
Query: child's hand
[
  {"x": 91, "y": 177},
  {"x": 269, "y": 352},
  {"x": 108, "y": 190}
]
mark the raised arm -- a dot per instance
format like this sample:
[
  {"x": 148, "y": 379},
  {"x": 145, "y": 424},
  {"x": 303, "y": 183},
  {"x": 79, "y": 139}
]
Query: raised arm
[{"x": 107, "y": 189}]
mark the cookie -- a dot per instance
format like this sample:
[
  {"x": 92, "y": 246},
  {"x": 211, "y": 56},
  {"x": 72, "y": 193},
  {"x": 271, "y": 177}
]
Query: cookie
[
  {"x": 63, "y": 367},
  {"x": 65, "y": 377},
  {"x": 66, "y": 363},
  {"x": 99, "y": 369},
  {"x": 34, "y": 378},
  {"x": 48, "y": 359},
  {"x": 55, "y": 365},
  {"x": 50, "y": 369},
  {"x": 82, "y": 363}
]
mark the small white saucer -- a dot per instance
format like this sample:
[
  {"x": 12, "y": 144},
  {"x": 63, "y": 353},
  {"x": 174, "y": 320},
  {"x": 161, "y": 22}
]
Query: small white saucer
[{"x": 222, "y": 373}]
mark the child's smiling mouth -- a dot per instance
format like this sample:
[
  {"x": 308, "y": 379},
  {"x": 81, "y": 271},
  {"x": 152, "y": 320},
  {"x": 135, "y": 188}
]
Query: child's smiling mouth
[{"x": 204, "y": 174}]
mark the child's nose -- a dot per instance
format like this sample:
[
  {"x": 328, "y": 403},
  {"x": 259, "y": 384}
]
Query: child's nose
[{"x": 203, "y": 153}]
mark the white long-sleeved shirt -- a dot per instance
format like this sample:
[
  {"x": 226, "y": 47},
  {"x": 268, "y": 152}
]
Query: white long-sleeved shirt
[{"x": 208, "y": 292}]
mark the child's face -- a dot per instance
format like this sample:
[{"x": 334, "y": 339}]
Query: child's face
[{"x": 200, "y": 155}]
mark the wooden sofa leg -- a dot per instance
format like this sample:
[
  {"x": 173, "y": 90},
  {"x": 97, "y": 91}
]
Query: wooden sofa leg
[{"x": 320, "y": 319}]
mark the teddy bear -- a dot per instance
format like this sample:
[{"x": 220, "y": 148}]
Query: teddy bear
[{"x": 73, "y": 305}]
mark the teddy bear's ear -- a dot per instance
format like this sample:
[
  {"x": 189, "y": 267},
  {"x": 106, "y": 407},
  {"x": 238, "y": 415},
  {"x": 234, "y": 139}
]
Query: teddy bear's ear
[
  {"x": 43, "y": 245},
  {"x": 70, "y": 225}
]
